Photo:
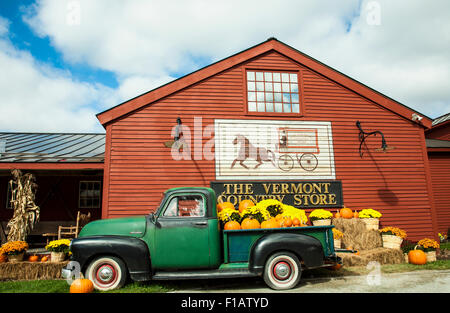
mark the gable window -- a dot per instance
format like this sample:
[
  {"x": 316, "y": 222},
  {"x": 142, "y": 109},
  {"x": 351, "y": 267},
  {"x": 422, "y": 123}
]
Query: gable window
[
  {"x": 90, "y": 194},
  {"x": 269, "y": 91}
]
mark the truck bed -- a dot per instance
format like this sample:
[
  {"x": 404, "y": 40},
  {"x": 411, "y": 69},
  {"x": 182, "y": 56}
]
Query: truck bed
[{"x": 237, "y": 243}]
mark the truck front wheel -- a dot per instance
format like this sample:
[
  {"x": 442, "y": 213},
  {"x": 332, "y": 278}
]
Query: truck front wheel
[
  {"x": 107, "y": 273},
  {"x": 282, "y": 271}
]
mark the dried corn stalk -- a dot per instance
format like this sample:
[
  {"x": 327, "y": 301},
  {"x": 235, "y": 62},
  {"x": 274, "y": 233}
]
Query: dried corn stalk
[{"x": 26, "y": 212}]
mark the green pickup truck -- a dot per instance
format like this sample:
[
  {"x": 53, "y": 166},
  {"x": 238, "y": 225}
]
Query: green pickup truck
[{"x": 183, "y": 240}]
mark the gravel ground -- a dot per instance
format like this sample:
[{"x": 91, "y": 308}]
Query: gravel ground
[{"x": 426, "y": 281}]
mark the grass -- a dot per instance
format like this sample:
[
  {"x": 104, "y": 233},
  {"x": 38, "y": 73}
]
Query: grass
[{"x": 61, "y": 286}]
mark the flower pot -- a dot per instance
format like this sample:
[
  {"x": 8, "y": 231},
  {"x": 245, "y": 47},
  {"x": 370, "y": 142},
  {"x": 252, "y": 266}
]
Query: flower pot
[
  {"x": 371, "y": 223},
  {"x": 391, "y": 241},
  {"x": 431, "y": 256},
  {"x": 57, "y": 256},
  {"x": 337, "y": 243},
  {"x": 322, "y": 222},
  {"x": 16, "y": 258}
]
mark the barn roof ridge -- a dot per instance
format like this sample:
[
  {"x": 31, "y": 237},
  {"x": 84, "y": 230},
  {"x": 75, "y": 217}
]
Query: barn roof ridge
[{"x": 146, "y": 98}]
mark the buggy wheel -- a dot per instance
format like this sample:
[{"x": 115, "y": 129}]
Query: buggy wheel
[
  {"x": 285, "y": 162},
  {"x": 282, "y": 271}
]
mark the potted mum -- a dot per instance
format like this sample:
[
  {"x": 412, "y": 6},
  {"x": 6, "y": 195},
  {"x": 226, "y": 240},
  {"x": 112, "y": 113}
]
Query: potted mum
[
  {"x": 14, "y": 250},
  {"x": 429, "y": 246},
  {"x": 337, "y": 236},
  {"x": 58, "y": 249},
  {"x": 371, "y": 217},
  {"x": 392, "y": 237},
  {"x": 320, "y": 217}
]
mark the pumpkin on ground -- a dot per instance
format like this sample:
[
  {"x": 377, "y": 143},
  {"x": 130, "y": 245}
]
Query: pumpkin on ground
[
  {"x": 417, "y": 257},
  {"x": 33, "y": 258},
  {"x": 224, "y": 205},
  {"x": 250, "y": 223},
  {"x": 81, "y": 285},
  {"x": 245, "y": 204},
  {"x": 346, "y": 213},
  {"x": 232, "y": 225}
]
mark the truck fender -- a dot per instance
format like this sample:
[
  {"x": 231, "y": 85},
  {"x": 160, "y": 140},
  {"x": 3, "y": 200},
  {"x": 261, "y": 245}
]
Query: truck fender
[
  {"x": 308, "y": 249},
  {"x": 133, "y": 251}
]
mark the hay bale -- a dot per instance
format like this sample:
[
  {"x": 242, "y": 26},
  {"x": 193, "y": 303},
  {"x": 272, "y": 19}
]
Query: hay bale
[
  {"x": 31, "y": 270},
  {"x": 380, "y": 255},
  {"x": 356, "y": 235}
]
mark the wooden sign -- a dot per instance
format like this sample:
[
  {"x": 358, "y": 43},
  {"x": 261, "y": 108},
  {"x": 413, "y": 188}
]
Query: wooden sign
[
  {"x": 300, "y": 194},
  {"x": 273, "y": 150}
]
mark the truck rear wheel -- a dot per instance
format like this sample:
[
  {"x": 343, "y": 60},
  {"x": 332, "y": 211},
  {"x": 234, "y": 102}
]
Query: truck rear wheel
[
  {"x": 282, "y": 271},
  {"x": 107, "y": 273}
]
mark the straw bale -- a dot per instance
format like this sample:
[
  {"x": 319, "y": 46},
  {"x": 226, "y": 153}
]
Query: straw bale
[
  {"x": 381, "y": 255},
  {"x": 356, "y": 235},
  {"x": 31, "y": 270}
]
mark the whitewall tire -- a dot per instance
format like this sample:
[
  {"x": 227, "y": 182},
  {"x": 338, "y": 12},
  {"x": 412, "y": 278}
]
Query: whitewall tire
[
  {"x": 282, "y": 271},
  {"x": 107, "y": 273}
]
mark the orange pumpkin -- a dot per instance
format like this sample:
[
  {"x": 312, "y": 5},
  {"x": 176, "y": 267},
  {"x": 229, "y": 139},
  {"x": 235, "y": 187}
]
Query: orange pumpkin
[
  {"x": 33, "y": 258},
  {"x": 279, "y": 217},
  {"x": 336, "y": 267},
  {"x": 224, "y": 205},
  {"x": 81, "y": 285},
  {"x": 44, "y": 259},
  {"x": 250, "y": 223},
  {"x": 232, "y": 225},
  {"x": 286, "y": 222},
  {"x": 355, "y": 214},
  {"x": 296, "y": 222},
  {"x": 245, "y": 204},
  {"x": 271, "y": 223},
  {"x": 346, "y": 213},
  {"x": 417, "y": 257},
  {"x": 337, "y": 215}
]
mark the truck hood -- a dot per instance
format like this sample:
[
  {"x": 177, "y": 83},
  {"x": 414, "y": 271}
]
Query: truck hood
[{"x": 125, "y": 226}]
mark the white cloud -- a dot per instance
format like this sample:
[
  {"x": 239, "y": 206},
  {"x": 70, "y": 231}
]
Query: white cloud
[
  {"x": 36, "y": 97},
  {"x": 145, "y": 42}
]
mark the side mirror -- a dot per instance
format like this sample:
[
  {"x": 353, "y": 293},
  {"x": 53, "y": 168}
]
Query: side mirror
[{"x": 152, "y": 217}]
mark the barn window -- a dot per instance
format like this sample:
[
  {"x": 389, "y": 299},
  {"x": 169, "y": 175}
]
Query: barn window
[
  {"x": 272, "y": 92},
  {"x": 90, "y": 194},
  {"x": 8, "y": 197}
]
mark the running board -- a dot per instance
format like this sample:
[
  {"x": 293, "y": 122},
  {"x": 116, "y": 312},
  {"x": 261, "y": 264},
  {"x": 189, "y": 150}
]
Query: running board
[{"x": 202, "y": 274}]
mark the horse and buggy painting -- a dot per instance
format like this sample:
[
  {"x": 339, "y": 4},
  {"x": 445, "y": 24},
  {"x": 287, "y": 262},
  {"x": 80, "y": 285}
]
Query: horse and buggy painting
[{"x": 273, "y": 148}]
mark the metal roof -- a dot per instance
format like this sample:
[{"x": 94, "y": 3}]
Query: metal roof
[
  {"x": 52, "y": 147},
  {"x": 436, "y": 143},
  {"x": 441, "y": 119}
]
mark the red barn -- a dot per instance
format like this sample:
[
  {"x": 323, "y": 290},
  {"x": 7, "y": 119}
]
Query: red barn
[
  {"x": 438, "y": 144},
  {"x": 271, "y": 114}
]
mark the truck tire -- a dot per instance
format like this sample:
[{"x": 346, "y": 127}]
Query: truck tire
[
  {"x": 282, "y": 271},
  {"x": 107, "y": 273}
]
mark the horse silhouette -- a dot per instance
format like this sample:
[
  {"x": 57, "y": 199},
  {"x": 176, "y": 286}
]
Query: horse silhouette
[{"x": 247, "y": 150}]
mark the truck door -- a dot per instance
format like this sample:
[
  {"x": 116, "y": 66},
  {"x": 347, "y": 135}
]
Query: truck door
[{"x": 182, "y": 233}]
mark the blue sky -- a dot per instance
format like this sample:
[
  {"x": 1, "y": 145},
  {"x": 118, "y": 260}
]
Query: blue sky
[{"x": 64, "y": 61}]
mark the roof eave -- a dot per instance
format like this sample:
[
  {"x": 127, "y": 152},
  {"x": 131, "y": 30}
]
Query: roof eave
[{"x": 136, "y": 103}]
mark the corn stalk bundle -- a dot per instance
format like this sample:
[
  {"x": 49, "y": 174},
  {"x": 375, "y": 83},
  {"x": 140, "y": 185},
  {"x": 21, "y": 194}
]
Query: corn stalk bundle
[{"x": 26, "y": 212}]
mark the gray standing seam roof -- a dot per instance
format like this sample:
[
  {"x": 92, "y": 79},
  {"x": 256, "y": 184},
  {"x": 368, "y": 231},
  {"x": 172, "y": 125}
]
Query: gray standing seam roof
[{"x": 52, "y": 147}]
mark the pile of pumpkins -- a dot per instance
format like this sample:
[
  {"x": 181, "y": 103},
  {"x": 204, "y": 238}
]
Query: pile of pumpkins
[{"x": 252, "y": 223}]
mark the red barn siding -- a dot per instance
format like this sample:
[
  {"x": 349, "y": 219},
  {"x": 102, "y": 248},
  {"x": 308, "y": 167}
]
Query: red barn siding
[
  {"x": 440, "y": 173},
  {"x": 396, "y": 183}
]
